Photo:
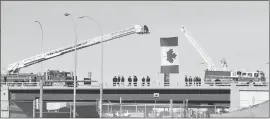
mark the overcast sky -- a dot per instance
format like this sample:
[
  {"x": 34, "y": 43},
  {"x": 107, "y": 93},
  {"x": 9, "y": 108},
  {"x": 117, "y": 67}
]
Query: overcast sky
[{"x": 237, "y": 31}]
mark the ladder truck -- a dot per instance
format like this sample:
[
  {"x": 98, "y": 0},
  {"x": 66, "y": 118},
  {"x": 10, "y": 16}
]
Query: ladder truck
[
  {"x": 224, "y": 77},
  {"x": 14, "y": 68}
]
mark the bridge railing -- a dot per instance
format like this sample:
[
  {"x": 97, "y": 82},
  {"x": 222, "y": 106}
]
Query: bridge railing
[
  {"x": 20, "y": 84},
  {"x": 152, "y": 84}
]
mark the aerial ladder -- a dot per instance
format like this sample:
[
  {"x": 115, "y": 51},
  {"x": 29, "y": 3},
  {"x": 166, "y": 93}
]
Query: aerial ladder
[
  {"x": 15, "y": 67},
  {"x": 203, "y": 54}
]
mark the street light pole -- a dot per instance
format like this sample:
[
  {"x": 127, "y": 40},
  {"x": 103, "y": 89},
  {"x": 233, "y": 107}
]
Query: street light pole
[
  {"x": 75, "y": 65},
  {"x": 41, "y": 79},
  {"x": 101, "y": 80}
]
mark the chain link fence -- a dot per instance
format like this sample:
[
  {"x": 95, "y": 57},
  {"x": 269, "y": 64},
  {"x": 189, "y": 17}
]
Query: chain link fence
[{"x": 115, "y": 110}]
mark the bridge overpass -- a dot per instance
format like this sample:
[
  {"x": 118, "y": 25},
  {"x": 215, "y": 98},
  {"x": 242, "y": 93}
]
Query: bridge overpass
[{"x": 88, "y": 95}]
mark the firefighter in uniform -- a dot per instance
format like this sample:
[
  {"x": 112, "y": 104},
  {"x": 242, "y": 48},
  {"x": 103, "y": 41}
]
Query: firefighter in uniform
[
  {"x": 123, "y": 81},
  {"x": 143, "y": 81},
  {"x": 118, "y": 80},
  {"x": 129, "y": 81},
  {"x": 199, "y": 81},
  {"x": 148, "y": 80},
  {"x": 190, "y": 81},
  {"x": 186, "y": 80},
  {"x": 114, "y": 81},
  {"x": 195, "y": 80},
  {"x": 135, "y": 79}
]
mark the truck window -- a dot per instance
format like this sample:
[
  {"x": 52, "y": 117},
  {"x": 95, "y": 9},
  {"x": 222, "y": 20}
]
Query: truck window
[
  {"x": 238, "y": 73},
  {"x": 244, "y": 74},
  {"x": 262, "y": 74},
  {"x": 250, "y": 74},
  {"x": 5, "y": 79},
  {"x": 256, "y": 75}
]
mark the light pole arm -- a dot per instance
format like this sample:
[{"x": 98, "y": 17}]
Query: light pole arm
[
  {"x": 41, "y": 38},
  {"x": 100, "y": 29}
]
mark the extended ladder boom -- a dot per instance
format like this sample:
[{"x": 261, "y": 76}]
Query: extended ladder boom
[
  {"x": 203, "y": 54},
  {"x": 15, "y": 67}
]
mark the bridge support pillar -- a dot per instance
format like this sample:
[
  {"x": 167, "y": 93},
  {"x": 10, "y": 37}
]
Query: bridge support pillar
[
  {"x": 4, "y": 102},
  {"x": 234, "y": 98},
  {"x": 166, "y": 79}
]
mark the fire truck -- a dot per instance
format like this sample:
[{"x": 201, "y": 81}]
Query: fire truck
[
  {"x": 223, "y": 77},
  {"x": 13, "y": 75}
]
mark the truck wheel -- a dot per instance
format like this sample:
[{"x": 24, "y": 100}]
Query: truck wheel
[
  {"x": 250, "y": 82},
  {"x": 218, "y": 81}
]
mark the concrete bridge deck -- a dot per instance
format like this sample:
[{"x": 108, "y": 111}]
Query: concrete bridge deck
[{"x": 217, "y": 95}]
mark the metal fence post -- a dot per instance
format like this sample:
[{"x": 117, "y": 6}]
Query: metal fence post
[
  {"x": 196, "y": 112},
  {"x": 215, "y": 109},
  {"x": 155, "y": 109},
  {"x": 184, "y": 109},
  {"x": 136, "y": 110},
  {"x": 179, "y": 110},
  {"x": 70, "y": 111},
  {"x": 121, "y": 106},
  {"x": 108, "y": 108},
  {"x": 145, "y": 110},
  {"x": 187, "y": 112},
  {"x": 171, "y": 102}
]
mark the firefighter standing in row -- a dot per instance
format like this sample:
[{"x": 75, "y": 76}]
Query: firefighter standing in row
[
  {"x": 195, "y": 80},
  {"x": 190, "y": 81},
  {"x": 122, "y": 81},
  {"x": 129, "y": 81},
  {"x": 148, "y": 80},
  {"x": 135, "y": 79},
  {"x": 143, "y": 81},
  {"x": 114, "y": 80},
  {"x": 199, "y": 81},
  {"x": 186, "y": 80},
  {"x": 118, "y": 80}
]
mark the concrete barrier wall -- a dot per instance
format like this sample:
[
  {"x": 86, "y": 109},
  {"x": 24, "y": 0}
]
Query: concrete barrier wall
[{"x": 4, "y": 102}]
